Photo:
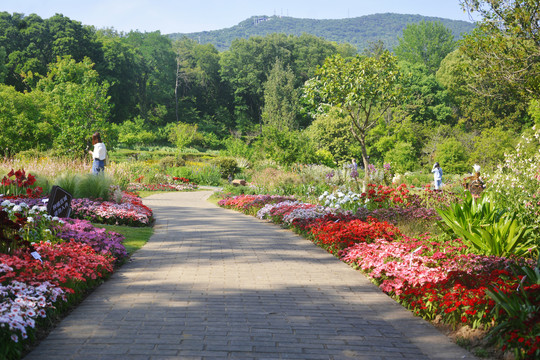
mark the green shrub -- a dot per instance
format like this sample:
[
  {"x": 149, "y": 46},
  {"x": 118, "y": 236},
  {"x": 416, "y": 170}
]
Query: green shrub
[
  {"x": 227, "y": 167},
  {"x": 205, "y": 174},
  {"x": 171, "y": 161}
]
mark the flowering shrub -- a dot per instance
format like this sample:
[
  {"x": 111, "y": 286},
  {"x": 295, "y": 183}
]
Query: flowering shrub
[
  {"x": 102, "y": 241},
  {"x": 130, "y": 212}
]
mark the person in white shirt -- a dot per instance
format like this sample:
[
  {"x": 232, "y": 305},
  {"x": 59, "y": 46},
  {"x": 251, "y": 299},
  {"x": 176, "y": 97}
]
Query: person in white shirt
[
  {"x": 99, "y": 154},
  {"x": 437, "y": 175}
]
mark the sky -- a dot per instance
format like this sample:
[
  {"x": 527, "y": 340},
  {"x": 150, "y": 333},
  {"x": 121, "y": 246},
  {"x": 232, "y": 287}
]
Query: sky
[{"x": 181, "y": 16}]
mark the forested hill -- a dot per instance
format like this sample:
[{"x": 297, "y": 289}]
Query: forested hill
[{"x": 359, "y": 31}]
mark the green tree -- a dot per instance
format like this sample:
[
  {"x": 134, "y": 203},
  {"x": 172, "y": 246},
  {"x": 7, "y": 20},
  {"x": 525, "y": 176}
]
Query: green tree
[
  {"x": 121, "y": 70},
  {"x": 183, "y": 134},
  {"x": 427, "y": 42},
  {"x": 402, "y": 157},
  {"x": 499, "y": 105},
  {"x": 428, "y": 101},
  {"x": 505, "y": 48},
  {"x": 3, "y": 68},
  {"x": 452, "y": 157},
  {"x": 76, "y": 102},
  {"x": 134, "y": 132},
  {"x": 23, "y": 123},
  {"x": 280, "y": 99},
  {"x": 332, "y": 132},
  {"x": 287, "y": 147},
  {"x": 490, "y": 147},
  {"x": 157, "y": 71},
  {"x": 364, "y": 88}
]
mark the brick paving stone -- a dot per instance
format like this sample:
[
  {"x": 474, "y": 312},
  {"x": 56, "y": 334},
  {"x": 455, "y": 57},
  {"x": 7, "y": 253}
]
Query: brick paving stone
[{"x": 215, "y": 284}]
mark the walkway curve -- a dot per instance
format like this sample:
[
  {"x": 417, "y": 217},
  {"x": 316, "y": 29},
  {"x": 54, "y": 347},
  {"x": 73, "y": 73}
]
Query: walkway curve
[{"x": 216, "y": 284}]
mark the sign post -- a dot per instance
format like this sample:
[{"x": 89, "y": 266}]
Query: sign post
[{"x": 59, "y": 203}]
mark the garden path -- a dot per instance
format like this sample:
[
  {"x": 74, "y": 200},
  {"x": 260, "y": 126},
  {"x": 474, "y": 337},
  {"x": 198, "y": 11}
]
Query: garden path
[{"x": 216, "y": 284}]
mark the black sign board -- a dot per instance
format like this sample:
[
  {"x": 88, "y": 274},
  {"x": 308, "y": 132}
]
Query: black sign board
[{"x": 59, "y": 202}]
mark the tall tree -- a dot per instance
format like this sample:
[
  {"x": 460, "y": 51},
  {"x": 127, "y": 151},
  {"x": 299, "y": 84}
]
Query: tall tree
[
  {"x": 280, "y": 98},
  {"x": 121, "y": 70},
  {"x": 76, "y": 102},
  {"x": 364, "y": 88},
  {"x": 427, "y": 42},
  {"x": 506, "y": 47}
]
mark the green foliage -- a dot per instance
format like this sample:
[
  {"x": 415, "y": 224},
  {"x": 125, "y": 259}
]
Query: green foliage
[
  {"x": 76, "y": 102},
  {"x": 534, "y": 111},
  {"x": 490, "y": 147},
  {"x": 202, "y": 174},
  {"x": 487, "y": 229},
  {"x": 331, "y": 132},
  {"x": 428, "y": 101},
  {"x": 402, "y": 157},
  {"x": 452, "y": 156},
  {"x": 183, "y": 135},
  {"x": 93, "y": 187},
  {"x": 287, "y": 147},
  {"x": 426, "y": 43},
  {"x": 134, "y": 132},
  {"x": 23, "y": 123},
  {"x": 171, "y": 161},
  {"x": 364, "y": 88},
  {"x": 281, "y": 107},
  {"x": 227, "y": 166},
  {"x": 235, "y": 147},
  {"x": 85, "y": 185}
]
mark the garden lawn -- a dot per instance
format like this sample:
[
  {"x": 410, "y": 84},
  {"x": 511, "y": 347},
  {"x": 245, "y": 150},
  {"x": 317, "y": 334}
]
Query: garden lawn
[{"x": 135, "y": 238}]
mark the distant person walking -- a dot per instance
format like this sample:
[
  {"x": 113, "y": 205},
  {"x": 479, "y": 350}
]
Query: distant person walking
[
  {"x": 437, "y": 175},
  {"x": 99, "y": 154}
]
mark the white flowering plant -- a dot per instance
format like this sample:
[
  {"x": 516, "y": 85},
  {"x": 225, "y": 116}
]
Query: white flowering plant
[
  {"x": 342, "y": 200},
  {"x": 515, "y": 184}
]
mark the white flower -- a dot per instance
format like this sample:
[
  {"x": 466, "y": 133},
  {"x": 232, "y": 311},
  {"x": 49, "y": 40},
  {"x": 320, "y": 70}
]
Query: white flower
[
  {"x": 30, "y": 219},
  {"x": 6, "y": 203},
  {"x": 17, "y": 208}
]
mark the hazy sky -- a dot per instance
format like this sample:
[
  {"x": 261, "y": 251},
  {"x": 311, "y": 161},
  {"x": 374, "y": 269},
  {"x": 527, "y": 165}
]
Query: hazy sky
[{"x": 183, "y": 16}]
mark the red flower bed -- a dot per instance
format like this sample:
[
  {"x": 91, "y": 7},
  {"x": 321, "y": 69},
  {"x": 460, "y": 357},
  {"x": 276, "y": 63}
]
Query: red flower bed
[
  {"x": 64, "y": 264},
  {"x": 336, "y": 236}
]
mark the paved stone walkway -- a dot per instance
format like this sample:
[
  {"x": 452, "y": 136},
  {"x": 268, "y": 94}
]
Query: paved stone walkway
[{"x": 215, "y": 284}]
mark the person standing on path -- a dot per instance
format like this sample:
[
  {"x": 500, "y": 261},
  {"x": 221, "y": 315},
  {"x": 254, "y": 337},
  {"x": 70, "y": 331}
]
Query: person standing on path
[
  {"x": 99, "y": 154},
  {"x": 437, "y": 175}
]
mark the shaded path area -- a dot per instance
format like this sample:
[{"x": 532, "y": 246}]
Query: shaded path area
[{"x": 215, "y": 284}]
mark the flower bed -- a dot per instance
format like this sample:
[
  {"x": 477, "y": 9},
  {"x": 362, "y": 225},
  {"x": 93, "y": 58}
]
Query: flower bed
[
  {"x": 434, "y": 278},
  {"x": 130, "y": 211},
  {"x": 30, "y": 288},
  {"x": 47, "y": 263}
]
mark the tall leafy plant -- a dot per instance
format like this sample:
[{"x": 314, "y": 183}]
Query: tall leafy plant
[{"x": 489, "y": 230}]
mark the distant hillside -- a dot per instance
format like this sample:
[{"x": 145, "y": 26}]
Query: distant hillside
[{"x": 357, "y": 31}]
